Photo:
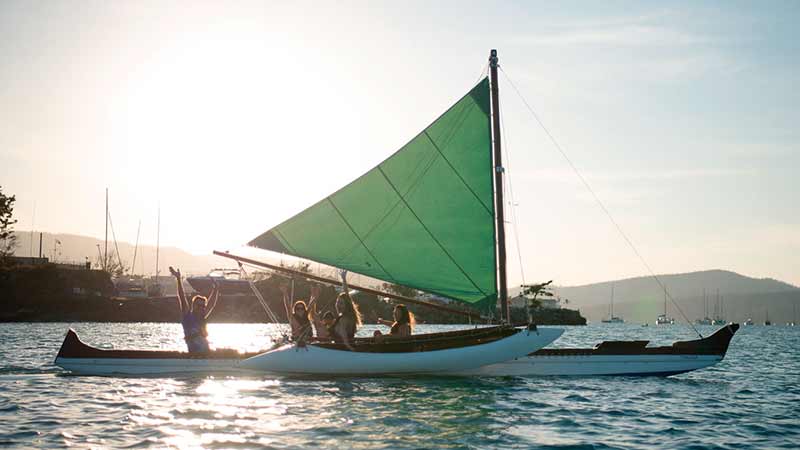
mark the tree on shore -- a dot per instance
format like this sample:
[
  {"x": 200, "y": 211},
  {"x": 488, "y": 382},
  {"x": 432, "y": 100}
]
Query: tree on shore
[{"x": 8, "y": 240}]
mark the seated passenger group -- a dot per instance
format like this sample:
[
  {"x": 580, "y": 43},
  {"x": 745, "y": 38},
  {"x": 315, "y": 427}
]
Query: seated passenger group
[{"x": 342, "y": 326}]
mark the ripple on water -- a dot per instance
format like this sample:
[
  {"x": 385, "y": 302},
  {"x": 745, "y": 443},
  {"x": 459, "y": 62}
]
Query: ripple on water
[{"x": 748, "y": 401}]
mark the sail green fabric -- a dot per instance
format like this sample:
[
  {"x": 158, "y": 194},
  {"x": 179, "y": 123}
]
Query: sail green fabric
[{"x": 423, "y": 218}]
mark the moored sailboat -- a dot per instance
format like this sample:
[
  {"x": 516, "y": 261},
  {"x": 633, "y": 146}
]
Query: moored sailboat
[
  {"x": 663, "y": 319},
  {"x": 611, "y": 317}
]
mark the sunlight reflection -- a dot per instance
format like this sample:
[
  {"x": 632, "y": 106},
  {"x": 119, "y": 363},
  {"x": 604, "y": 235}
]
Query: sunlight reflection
[{"x": 242, "y": 337}]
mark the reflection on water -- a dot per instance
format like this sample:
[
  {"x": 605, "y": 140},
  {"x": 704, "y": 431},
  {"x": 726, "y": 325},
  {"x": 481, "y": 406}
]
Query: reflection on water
[{"x": 748, "y": 401}]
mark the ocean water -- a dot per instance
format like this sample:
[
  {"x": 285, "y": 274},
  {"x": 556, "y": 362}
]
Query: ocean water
[{"x": 749, "y": 400}]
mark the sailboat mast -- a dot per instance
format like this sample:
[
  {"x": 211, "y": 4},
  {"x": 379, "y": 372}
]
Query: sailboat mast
[
  {"x": 136, "y": 248},
  {"x": 505, "y": 310},
  {"x": 612, "y": 301},
  {"x": 158, "y": 239},
  {"x": 105, "y": 244}
]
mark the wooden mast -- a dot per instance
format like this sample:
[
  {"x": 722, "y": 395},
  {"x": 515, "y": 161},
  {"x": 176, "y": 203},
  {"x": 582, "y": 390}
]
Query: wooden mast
[{"x": 505, "y": 310}]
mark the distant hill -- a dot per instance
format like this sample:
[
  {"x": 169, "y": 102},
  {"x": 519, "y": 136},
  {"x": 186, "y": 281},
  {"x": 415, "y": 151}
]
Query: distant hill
[
  {"x": 75, "y": 248},
  {"x": 640, "y": 299}
]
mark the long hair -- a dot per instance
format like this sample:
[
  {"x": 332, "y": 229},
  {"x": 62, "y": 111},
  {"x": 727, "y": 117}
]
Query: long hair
[
  {"x": 406, "y": 316},
  {"x": 197, "y": 299},
  {"x": 307, "y": 315},
  {"x": 350, "y": 308}
]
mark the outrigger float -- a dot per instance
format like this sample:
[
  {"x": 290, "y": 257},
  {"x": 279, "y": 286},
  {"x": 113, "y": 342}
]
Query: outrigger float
[{"x": 430, "y": 217}]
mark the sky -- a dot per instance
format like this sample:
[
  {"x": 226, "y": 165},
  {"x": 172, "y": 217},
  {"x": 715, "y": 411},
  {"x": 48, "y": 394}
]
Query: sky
[{"x": 232, "y": 116}]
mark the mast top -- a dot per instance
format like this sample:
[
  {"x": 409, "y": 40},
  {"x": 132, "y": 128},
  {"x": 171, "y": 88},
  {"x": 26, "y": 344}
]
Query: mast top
[{"x": 493, "y": 58}]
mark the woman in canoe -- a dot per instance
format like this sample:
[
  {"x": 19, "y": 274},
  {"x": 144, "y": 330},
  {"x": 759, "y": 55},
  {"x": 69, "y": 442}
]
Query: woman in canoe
[
  {"x": 323, "y": 323},
  {"x": 299, "y": 317},
  {"x": 194, "y": 316},
  {"x": 346, "y": 324},
  {"x": 403, "y": 324}
]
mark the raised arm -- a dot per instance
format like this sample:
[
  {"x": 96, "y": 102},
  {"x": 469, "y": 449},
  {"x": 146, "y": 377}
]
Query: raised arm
[
  {"x": 182, "y": 303},
  {"x": 388, "y": 323},
  {"x": 212, "y": 298},
  {"x": 285, "y": 291},
  {"x": 312, "y": 302},
  {"x": 343, "y": 274}
]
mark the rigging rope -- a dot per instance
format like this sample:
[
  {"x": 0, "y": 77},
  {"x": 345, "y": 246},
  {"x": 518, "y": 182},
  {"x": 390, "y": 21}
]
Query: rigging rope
[
  {"x": 599, "y": 203},
  {"x": 510, "y": 188},
  {"x": 270, "y": 314},
  {"x": 114, "y": 235}
]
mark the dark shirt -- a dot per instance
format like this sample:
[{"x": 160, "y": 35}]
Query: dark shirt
[
  {"x": 301, "y": 328},
  {"x": 194, "y": 332}
]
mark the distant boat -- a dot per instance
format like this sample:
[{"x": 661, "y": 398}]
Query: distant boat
[
  {"x": 705, "y": 320},
  {"x": 718, "y": 311},
  {"x": 662, "y": 319},
  {"x": 748, "y": 322},
  {"x": 766, "y": 320},
  {"x": 611, "y": 317},
  {"x": 230, "y": 282}
]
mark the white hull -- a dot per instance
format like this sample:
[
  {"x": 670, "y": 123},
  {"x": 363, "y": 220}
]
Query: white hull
[
  {"x": 588, "y": 365},
  {"x": 321, "y": 361},
  {"x": 314, "y": 360}
]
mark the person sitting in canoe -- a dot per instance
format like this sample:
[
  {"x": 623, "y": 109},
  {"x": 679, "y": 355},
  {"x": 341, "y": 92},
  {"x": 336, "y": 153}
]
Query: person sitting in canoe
[
  {"x": 403, "y": 324},
  {"x": 322, "y": 324},
  {"x": 346, "y": 324},
  {"x": 194, "y": 316},
  {"x": 299, "y": 317}
]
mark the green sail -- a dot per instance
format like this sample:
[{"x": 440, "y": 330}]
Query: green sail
[{"x": 423, "y": 218}]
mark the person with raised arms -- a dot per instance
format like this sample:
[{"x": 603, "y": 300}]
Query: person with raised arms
[{"x": 194, "y": 315}]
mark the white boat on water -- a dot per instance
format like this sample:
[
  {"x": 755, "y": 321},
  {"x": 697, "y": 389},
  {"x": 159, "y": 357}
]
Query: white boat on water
[
  {"x": 611, "y": 317},
  {"x": 430, "y": 217},
  {"x": 663, "y": 319},
  {"x": 619, "y": 358}
]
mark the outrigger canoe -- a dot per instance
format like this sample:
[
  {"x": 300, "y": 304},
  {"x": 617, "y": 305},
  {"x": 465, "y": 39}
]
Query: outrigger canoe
[
  {"x": 621, "y": 358},
  {"x": 609, "y": 358},
  {"x": 419, "y": 354}
]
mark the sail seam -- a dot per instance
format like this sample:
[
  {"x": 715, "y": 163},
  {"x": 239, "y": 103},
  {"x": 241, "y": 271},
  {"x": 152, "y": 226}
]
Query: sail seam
[
  {"x": 394, "y": 207},
  {"x": 386, "y": 177},
  {"x": 285, "y": 241},
  {"x": 416, "y": 177},
  {"x": 474, "y": 194},
  {"x": 341, "y": 216}
]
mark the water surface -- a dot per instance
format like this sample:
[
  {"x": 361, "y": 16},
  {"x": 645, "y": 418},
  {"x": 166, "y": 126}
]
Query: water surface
[{"x": 750, "y": 400}]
